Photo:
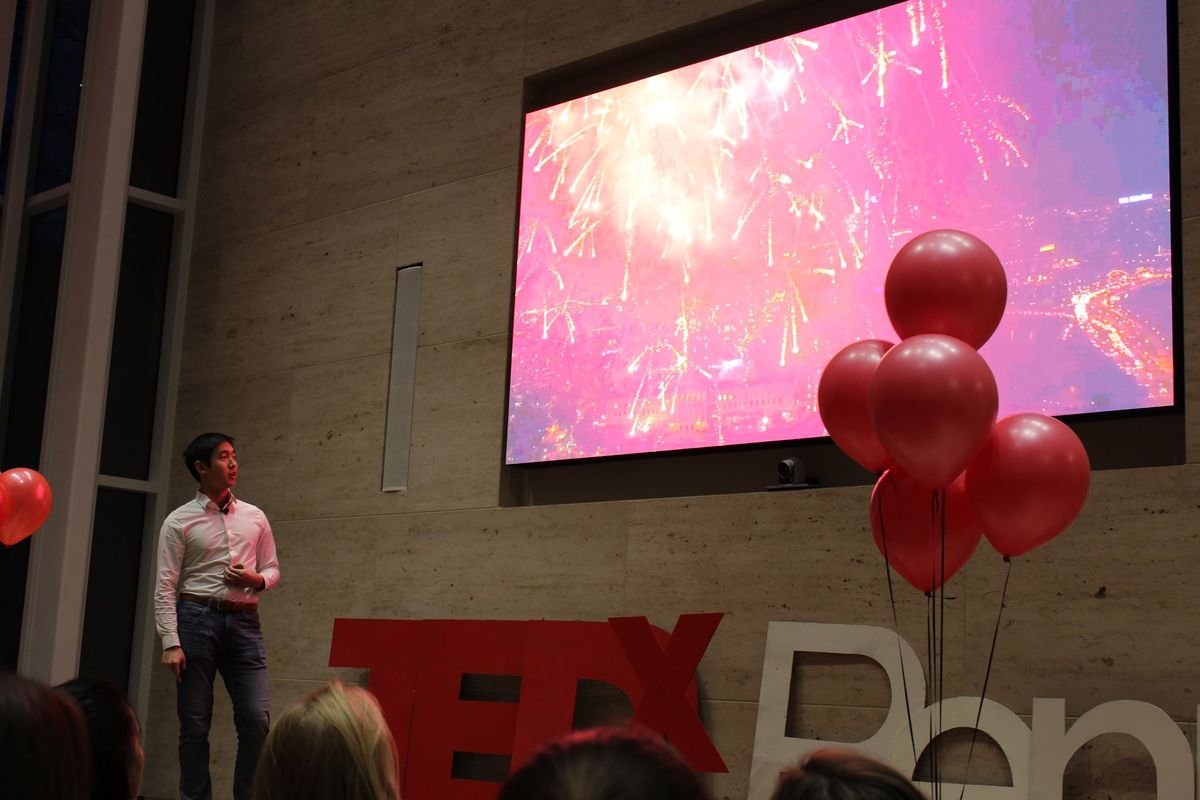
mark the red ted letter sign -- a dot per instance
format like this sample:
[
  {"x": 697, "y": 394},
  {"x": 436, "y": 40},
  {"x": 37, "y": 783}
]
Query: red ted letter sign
[{"x": 417, "y": 666}]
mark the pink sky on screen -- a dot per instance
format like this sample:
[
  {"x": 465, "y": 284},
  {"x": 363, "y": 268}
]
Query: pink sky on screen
[{"x": 694, "y": 247}]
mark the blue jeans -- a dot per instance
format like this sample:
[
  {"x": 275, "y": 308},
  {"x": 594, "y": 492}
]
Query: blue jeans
[{"x": 232, "y": 644}]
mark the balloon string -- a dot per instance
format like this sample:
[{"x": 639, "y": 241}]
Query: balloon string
[
  {"x": 935, "y": 659},
  {"x": 942, "y": 636},
  {"x": 912, "y": 736},
  {"x": 931, "y": 658},
  {"x": 986, "y": 676},
  {"x": 933, "y": 755}
]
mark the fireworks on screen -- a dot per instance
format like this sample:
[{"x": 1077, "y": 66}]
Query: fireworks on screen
[{"x": 695, "y": 246}]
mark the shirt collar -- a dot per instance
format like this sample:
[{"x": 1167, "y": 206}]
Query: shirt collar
[{"x": 206, "y": 502}]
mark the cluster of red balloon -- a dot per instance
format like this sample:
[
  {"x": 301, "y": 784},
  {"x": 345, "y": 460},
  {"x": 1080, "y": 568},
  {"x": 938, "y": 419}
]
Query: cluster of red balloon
[
  {"x": 24, "y": 504},
  {"x": 923, "y": 412}
]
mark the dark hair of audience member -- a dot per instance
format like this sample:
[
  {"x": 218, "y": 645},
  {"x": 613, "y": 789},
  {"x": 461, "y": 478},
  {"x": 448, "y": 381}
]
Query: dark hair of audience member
[
  {"x": 115, "y": 736},
  {"x": 605, "y": 764},
  {"x": 832, "y": 774},
  {"x": 43, "y": 742},
  {"x": 332, "y": 743}
]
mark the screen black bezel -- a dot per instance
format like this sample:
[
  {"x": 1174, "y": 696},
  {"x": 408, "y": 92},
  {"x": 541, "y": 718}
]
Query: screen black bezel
[{"x": 1158, "y": 429}]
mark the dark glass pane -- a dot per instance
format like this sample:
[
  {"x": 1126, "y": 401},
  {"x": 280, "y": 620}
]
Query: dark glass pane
[
  {"x": 136, "y": 344},
  {"x": 162, "y": 96},
  {"x": 10, "y": 91},
  {"x": 32, "y": 336},
  {"x": 14, "y": 563},
  {"x": 60, "y": 102},
  {"x": 112, "y": 585},
  {"x": 34, "y": 302}
]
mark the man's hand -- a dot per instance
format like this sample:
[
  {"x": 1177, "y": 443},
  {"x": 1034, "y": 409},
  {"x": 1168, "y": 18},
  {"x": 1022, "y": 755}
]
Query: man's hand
[
  {"x": 238, "y": 575},
  {"x": 174, "y": 660}
]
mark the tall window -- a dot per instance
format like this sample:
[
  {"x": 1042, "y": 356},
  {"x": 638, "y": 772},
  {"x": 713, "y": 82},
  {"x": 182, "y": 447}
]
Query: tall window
[{"x": 39, "y": 152}]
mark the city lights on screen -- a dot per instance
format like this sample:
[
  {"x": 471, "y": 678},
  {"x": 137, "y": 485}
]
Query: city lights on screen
[{"x": 694, "y": 247}]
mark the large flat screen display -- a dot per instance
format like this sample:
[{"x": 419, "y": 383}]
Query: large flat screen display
[{"x": 694, "y": 247}]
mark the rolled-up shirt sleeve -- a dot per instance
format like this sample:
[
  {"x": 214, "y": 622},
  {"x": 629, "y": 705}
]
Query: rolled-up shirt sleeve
[
  {"x": 170, "y": 565},
  {"x": 265, "y": 557}
]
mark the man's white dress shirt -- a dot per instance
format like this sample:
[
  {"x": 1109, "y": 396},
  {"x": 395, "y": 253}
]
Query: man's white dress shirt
[{"x": 197, "y": 543}]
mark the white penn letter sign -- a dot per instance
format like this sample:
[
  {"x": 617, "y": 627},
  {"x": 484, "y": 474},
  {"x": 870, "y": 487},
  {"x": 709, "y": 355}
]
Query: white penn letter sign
[{"x": 1037, "y": 758}]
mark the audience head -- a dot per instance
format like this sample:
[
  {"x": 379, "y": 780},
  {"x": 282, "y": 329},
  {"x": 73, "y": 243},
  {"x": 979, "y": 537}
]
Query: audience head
[
  {"x": 605, "y": 764},
  {"x": 333, "y": 743},
  {"x": 45, "y": 743},
  {"x": 832, "y": 774},
  {"x": 115, "y": 736}
]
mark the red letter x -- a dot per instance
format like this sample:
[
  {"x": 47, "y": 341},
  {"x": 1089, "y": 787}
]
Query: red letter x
[{"x": 665, "y": 675}]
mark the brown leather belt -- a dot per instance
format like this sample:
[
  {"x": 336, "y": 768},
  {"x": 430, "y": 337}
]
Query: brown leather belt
[{"x": 227, "y": 606}]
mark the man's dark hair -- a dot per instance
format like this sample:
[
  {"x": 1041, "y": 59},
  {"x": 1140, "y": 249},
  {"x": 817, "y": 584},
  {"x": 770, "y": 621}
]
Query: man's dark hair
[
  {"x": 113, "y": 731},
  {"x": 201, "y": 449},
  {"x": 832, "y": 774},
  {"x": 605, "y": 764}
]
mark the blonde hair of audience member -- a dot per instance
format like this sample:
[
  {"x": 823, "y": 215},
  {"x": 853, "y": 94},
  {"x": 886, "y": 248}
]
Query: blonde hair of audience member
[
  {"x": 333, "y": 743},
  {"x": 43, "y": 742},
  {"x": 832, "y": 774},
  {"x": 605, "y": 764}
]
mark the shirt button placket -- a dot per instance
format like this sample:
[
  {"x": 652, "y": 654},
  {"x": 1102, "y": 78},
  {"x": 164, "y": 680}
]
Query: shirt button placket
[{"x": 228, "y": 542}]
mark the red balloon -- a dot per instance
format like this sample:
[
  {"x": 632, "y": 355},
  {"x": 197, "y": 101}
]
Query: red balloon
[
  {"x": 933, "y": 402},
  {"x": 842, "y": 400},
  {"x": 1028, "y": 482},
  {"x": 946, "y": 282},
  {"x": 901, "y": 509},
  {"x": 28, "y": 504}
]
